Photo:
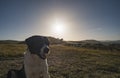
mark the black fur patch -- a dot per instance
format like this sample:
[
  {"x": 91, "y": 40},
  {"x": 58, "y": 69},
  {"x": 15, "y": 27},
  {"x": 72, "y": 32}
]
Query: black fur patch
[
  {"x": 16, "y": 73},
  {"x": 35, "y": 43}
]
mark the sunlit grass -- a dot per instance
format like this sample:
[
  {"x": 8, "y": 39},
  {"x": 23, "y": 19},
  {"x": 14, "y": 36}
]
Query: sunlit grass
[
  {"x": 12, "y": 50},
  {"x": 66, "y": 61}
]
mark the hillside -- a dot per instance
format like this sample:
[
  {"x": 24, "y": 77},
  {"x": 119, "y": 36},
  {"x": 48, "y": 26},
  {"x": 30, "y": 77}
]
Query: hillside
[
  {"x": 94, "y": 44},
  {"x": 9, "y": 41},
  {"x": 97, "y": 42},
  {"x": 66, "y": 61},
  {"x": 91, "y": 44},
  {"x": 51, "y": 39}
]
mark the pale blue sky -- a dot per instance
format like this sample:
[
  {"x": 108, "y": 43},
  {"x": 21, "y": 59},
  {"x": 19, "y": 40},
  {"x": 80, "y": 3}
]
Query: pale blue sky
[{"x": 83, "y": 19}]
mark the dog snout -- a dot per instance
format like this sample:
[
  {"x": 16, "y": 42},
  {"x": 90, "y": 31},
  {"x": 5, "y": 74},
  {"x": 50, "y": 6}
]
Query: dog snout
[{"x": 46, "y": 50}]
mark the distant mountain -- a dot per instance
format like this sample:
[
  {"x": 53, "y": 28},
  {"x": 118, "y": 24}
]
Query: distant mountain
[
  {"x": 9, "y": 41},
  {"x": 90, "y": 41},
  {"x": 111, "y": 42},
  {"x": 55, "y": 40},
  {"x": 51, "y": 39},
  {"x": 94, "y": 44},
  {"x": 97, "y": 42}
]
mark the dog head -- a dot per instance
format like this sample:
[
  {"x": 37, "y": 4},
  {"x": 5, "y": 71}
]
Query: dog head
[{"x": 38, "y": 45}]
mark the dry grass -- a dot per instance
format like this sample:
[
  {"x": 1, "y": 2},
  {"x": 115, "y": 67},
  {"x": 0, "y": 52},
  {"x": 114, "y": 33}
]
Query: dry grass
[
  {"x": 66, "y": 62},
  {"x": 12, "y": 50}
]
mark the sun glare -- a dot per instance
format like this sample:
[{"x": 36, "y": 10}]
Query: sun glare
[{"x": 58, "y": 27}]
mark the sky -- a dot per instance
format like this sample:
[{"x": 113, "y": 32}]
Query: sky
[{"x": 67, "y": 19}]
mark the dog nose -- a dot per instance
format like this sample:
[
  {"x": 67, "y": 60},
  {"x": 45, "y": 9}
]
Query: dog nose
[{"x": 46, "y": 50}]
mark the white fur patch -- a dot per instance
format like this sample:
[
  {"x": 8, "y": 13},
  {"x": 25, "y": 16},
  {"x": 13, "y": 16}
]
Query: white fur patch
[{"x": 35, "y": 67}]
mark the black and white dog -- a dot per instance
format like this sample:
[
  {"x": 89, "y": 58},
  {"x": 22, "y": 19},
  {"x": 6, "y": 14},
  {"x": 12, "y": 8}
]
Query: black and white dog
[{"x": 35, "y": 62}]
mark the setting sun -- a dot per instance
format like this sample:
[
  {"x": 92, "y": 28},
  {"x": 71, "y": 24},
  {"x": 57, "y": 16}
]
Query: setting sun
[{"x": 58, "y": 27}]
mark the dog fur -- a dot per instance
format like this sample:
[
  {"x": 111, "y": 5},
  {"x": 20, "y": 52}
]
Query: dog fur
[
  {"x": 35, "y": 61},
  {"x": 35, "y": 67}
]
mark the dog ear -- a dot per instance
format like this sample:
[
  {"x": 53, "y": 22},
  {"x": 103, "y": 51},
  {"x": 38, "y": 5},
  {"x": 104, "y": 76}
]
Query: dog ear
[
  {"x": 26, "y": 41},
  {"x": 35, "y": 43},
  {"x": 46, "y": 40},
  {"x": 33, "y": 39},
  {"x": 29, "y": 42}
]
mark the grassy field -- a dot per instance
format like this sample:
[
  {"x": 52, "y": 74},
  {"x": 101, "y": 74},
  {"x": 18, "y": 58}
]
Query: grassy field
[{"x": 66, "y": 61}]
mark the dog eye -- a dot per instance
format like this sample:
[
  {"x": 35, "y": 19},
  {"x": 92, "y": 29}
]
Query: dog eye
[
  {"x": 48, "y": 44},
  {"x": 46, "y": 50}
]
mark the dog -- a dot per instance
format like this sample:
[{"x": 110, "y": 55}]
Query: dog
[
  {"x": 16, "y": 73},
  {"x": 35, "y": 60}
]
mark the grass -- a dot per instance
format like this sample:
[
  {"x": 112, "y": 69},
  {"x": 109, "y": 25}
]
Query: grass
[
  {"x": 66, "y": 61},
  {"x": 12, "y": 50}
]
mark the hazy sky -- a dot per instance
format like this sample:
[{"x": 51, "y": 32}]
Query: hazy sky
[{"x": 76, "y": 19}]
